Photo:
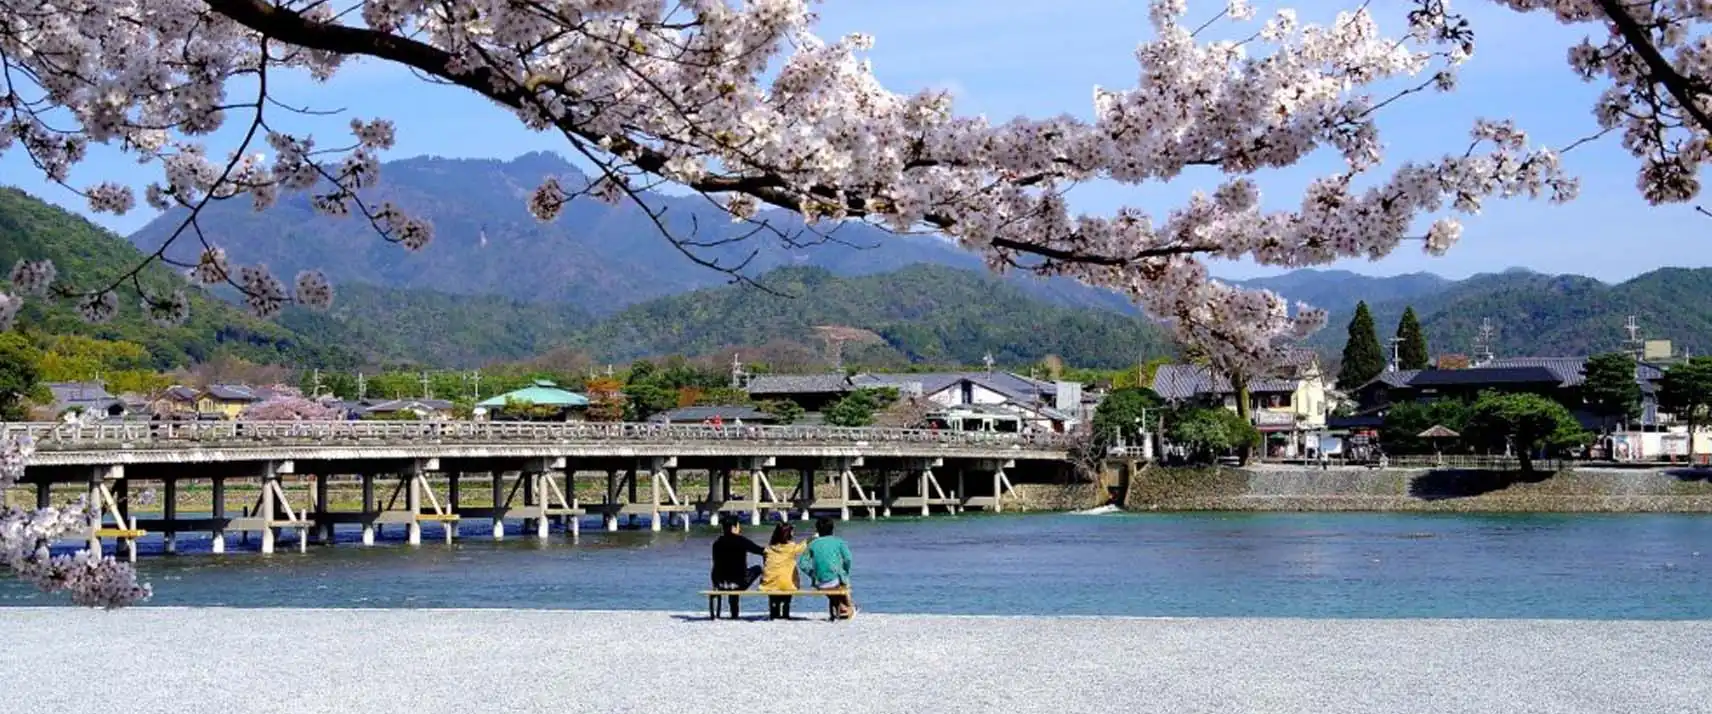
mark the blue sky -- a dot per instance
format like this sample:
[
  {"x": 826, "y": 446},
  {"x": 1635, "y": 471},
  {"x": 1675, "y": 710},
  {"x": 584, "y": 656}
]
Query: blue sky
[{"x": 1003, "y": 58}]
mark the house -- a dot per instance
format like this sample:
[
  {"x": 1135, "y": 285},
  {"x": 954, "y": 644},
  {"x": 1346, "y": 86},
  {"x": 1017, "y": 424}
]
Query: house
[
  {"x": 226, "y": 400},
  {"x": 727, "y": 415},
  {"x": 1286, "y": 406},
  {"x": 88, "y": 399},
  {"x": 1042, "y": 405},
  {"x": 406, "y": 409},
  {"x": 1557, "y": 377},
  {"x": 174, "y": 402},
  {"x": 545, "y": 395}
]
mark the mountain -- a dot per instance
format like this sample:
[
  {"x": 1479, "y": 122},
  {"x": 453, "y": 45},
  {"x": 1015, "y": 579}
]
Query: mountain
[
  {"x": 1537, "y": 315},
  {"x": 87, "y": 255},
  {"x": 925, "y": 313},
  {"x": 439, "y": 329},
  {"x": 598, "y": 257},
  {"x": 1339, "y": 290}
]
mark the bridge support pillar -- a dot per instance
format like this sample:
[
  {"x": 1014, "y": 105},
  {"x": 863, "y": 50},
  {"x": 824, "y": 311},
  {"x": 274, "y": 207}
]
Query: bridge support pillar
[
  {"x": 324, "y": 526},
  {"x": 169, "y": 512},
  {"x": 217, "y": 541},
  {"x": 499, "y": 504},
  {"x": 368, "y": 509},
  {"x": 924, "y": 478},
  {"x": 265, "y": 511},
  {"x": 413, "y": 501},
  {"x": 885, "y": 493},
  {"x": 844, "y": 493},
  {"x": 755, "y": 496},
  {"x": 655, "y": 474},
  {"x": 539, "y": 491}
]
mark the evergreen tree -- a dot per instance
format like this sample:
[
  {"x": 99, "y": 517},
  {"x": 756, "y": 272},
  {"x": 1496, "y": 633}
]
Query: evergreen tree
[
  {"x": 1412, "y": 351},
  {"x": 1609, "y": 387},
  {"x": 1362, "y": 358}
]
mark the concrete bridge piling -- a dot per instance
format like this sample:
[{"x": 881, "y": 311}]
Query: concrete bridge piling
[{"x": 416, "y": 474}]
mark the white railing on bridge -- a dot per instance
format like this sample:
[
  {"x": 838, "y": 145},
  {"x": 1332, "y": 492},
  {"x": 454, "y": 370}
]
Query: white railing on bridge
[{"x": 56, "y": 435}]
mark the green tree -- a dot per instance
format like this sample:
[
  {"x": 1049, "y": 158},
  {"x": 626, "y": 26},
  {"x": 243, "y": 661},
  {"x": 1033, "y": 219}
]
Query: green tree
[
  {"x": 784, "y": 411},
  {"x": 1404, "y": 422},
  {"x": 1686, "y": 392},
  {"x": 1412, "y": 350},
  {"x": 20, "y": 375},
  {"x": 1123, "y": 412},
  {"x": 857, "y": 408},
  {"x": 1610, "y": 389},
  {"x": 1362, "y": 358},
  {"x": 1209, "y": 433},
  {"x": 1529, "y": 423}
]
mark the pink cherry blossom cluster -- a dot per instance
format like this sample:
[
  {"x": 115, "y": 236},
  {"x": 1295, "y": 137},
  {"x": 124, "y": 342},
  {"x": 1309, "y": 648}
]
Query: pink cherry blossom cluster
[
  {"x": 291, "y": 408},
  {"x": 25, "y": 537},
  {"x": 744, "y": 102}
]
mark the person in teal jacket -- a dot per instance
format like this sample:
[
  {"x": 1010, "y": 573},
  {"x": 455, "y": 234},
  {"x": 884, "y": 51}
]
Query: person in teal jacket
[{"x": 827, "y": 564}]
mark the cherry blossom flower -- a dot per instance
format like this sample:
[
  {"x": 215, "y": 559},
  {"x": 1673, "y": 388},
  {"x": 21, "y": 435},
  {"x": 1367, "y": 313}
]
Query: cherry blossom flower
[
  {"x": 27, "y": 536},
  {"x": 313, "y": 291},
  {"x": 33, "y": 277}
]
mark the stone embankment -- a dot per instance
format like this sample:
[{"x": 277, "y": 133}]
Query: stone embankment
[
  {"x": 1264, "y": 488},
  {"x": 1354, "y": 489}
]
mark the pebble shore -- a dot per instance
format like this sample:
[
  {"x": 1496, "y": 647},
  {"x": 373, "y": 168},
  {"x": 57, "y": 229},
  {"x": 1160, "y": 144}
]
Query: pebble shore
[{"x": 425, "y": 661}]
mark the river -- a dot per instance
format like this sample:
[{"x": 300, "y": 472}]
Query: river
[{"x": 1318, "y": 565}]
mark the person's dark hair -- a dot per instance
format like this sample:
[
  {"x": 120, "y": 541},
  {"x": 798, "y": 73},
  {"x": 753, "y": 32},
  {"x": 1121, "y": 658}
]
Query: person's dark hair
[
  {"x": 782, "y": 533},
  {"x": 729, "y": 524},
  {"x": 823, "y": 526}
]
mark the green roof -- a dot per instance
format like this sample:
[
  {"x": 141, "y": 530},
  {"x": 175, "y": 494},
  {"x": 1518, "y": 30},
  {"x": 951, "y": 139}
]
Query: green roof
[{"x": 544, "y": 393}]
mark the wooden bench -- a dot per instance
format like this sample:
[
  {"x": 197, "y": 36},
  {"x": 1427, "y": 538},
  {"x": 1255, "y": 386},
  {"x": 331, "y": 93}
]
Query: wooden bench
[{"x": 715, "y": 605}]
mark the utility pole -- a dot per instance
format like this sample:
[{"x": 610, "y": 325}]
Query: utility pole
[
  {"x": 315, "y": 386},
  {"x": 362, "y": 387},
  {"x": 1396, "y": 356},
  {"x": 475, "y": 376},
  {"x": 426, "y": 392}
]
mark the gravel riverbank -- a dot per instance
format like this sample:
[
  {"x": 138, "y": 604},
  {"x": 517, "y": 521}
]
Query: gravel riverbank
[{"x": 261, "y": 660}]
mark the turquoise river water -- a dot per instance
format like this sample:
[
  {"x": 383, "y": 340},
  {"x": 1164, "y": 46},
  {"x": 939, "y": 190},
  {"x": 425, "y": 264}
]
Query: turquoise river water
[{"x": 1204, "y": 565}]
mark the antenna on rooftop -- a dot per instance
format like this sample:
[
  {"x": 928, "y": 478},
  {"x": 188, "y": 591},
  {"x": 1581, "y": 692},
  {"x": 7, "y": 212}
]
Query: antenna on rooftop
[
  {"x": 988, "y": 360},
  {"x": 1483, "y": 343},
  {"x": 738, "y": 375},
  {"x": 1635, "y": 343}
]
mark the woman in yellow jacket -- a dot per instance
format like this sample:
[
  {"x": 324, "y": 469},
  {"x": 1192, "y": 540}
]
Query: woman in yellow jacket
[{"x": 779, "y": 570}]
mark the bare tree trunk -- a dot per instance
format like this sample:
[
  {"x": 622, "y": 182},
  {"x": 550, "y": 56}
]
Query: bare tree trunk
[{"x": 1243, "y": 410}]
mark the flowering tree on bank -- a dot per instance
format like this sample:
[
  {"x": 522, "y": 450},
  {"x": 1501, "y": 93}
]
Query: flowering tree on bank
[
  {"x": 743, "y": 104},
  {"x": 291, "y": 408}
]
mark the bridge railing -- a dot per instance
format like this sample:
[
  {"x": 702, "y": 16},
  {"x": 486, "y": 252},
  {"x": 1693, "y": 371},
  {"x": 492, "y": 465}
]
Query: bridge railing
[{"x": 55, "y": 435}]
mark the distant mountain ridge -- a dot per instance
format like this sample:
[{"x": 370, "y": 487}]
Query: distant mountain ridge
[{"x": 597, "y": 257}]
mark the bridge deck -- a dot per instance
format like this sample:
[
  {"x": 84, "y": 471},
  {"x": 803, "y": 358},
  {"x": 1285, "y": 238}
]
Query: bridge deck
[{"x": 532, "y": 472}]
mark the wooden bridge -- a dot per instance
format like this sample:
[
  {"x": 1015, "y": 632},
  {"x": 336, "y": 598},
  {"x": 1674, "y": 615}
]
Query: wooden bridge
[{"x": 640, "y": 473}]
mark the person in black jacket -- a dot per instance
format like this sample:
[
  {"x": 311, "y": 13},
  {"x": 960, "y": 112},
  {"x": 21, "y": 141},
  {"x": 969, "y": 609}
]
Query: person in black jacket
[{"x": 731, "y": 568}]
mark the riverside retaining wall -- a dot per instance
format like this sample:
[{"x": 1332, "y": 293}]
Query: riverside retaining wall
[{"x": 1348, "y": 489}]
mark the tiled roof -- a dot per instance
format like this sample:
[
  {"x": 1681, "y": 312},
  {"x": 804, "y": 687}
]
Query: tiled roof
[
  {"x": 1012, "y": 386},
  {"x": 232, "y": 393},
  {"x": 78, "y": 392},
  {"x": 1486, "y": 375},
  {"x": 725, "y": 413},
  {"x": 398, "y": 405},
  {"x": 179, "y": 393},
  {"x": 799, "y": 384},
  {"x": 1183, "y": 381},
  {"x": 543, "y": 393}
]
